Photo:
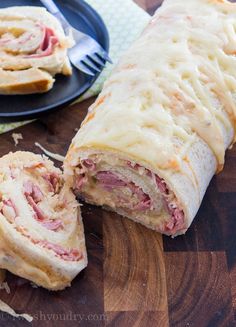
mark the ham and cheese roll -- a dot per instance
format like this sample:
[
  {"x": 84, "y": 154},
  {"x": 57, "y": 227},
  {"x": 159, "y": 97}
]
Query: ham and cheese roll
[
  {"x": 33, "y": 49},
  {"x": 41, "y": 230},
  {"x": 158, "y": 132}
]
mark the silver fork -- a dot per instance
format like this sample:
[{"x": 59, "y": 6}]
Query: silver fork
[{"x": 87, "y": 55}]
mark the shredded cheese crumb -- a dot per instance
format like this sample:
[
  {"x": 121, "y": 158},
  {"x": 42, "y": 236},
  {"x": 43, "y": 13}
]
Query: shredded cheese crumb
[
  {"x": 33, "y": 285},
  {"x": 16, "y": 137},
  {"x": 52, "y": 155},
  {"x": 5, "y": 286},
  {"x": 2, "y": 275},
  {"x": 6, "y": 308}
]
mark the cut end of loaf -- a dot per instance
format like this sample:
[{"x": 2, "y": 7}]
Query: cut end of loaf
[{"x": 129, "y": 189}]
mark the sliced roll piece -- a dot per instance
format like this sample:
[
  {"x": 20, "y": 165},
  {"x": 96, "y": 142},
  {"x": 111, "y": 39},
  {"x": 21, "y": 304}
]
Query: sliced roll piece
[
  {"x": 33, "y": 49},
  {"x": 41, "y": 229},
  {"x": 27, "y": 81},
  {"x": 158, "y": 131}
]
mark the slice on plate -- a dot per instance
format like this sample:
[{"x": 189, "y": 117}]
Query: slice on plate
[{"x": 33, "y": 49}]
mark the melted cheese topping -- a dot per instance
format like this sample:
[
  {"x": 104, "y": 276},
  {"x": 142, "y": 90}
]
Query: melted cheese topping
[{"x": 177, "y": 81}]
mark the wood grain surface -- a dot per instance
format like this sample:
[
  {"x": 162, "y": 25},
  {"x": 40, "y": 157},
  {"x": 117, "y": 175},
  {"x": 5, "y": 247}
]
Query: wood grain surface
[{"x": 136, "y": 277}]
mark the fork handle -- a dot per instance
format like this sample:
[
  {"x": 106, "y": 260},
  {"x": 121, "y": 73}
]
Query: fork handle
[{"x": 55, "y": 11}]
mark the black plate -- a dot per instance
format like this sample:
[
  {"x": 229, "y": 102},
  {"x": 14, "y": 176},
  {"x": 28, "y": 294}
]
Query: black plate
[{"x": 66, "y": 89}]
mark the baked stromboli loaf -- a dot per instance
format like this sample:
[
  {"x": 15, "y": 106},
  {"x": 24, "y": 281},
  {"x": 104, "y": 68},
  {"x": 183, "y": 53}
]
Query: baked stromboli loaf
[
  {"x": 41, "y": 230},
  {"x": 33, "y": 49},
  {"x": 158, "y": 132}
]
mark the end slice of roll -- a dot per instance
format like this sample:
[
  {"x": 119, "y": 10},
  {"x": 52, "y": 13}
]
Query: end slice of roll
[
  {"x": 41, "y": 230},
  {"x": 155, "y": 198}
]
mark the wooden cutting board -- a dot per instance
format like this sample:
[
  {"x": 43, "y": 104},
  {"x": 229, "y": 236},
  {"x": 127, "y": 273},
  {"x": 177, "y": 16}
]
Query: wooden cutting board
[{"x": 136, "y": 277}]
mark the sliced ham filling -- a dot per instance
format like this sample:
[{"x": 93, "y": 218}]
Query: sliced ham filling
[
  {"x": 52, "y": 180},
  {"x": 127, "y": 195},
  {"x": 65, "y": 254},
  {"x": 48, "y": 42},
  {"x": 112, "y": 182},
  {"x": 58, "y": 250},
  {"x": 36, "y": 43},
  {"x": 9, "y": 210},
  {"x": 34, "y": 196}
]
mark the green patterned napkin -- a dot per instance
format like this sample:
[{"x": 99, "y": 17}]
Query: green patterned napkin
[{"x": 124, "y": 21}]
